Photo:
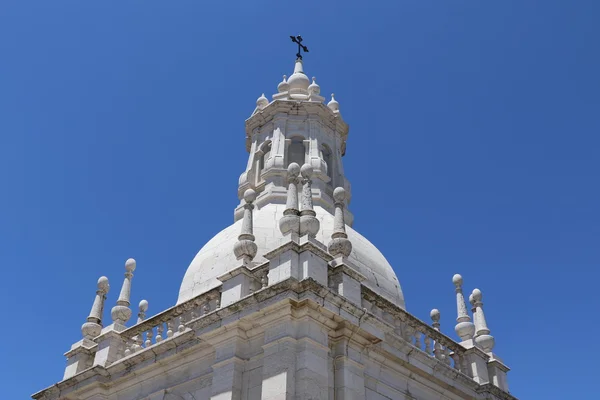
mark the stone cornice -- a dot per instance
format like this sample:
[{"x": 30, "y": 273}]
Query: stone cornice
[{"x": 495, "y": 391}]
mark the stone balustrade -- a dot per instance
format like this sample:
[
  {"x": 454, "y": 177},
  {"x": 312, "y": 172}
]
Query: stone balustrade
[
  {"x": 416, "y": 332},
  {"x": 168, "y": 323}
]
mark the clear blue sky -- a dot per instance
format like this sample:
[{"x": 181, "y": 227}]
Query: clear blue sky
[{"x": 473, "y": 148}]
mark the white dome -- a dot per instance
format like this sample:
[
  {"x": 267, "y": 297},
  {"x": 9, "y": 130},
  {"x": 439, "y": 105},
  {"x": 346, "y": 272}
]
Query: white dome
[{"x": 216, "y": 257}]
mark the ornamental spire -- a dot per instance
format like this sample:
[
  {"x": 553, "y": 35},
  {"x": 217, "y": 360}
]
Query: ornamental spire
[
  {"x": 339, "y": 244},
  {"x": 464, "y": 327},
  {"x": 93, "y": 326},
  {"x": 121, "y": 312},
  {"x": 483, "y": 339},
  {"x": 245, "y": 248},
  {"x": 290, "y": 222},
  {"x": 309, "y": 224}
]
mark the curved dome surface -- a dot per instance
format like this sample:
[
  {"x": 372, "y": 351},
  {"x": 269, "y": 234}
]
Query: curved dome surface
[{"x": 217, "y": 258}]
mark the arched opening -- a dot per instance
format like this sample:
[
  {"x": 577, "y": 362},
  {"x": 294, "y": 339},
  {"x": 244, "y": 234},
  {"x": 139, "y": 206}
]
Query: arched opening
[{"x": 296, "y": 151}]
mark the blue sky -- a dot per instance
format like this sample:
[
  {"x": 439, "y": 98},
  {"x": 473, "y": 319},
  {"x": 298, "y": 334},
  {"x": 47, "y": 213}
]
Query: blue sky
[{"x": 473, "y": 148}]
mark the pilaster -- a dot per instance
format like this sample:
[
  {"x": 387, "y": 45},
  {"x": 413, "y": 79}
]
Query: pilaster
[
  {"x": 229, "y": 366},
  {"x": 312, "y": 357},
  {"x": 279, "y": 358},
  {"x": 349, "y": 377}
]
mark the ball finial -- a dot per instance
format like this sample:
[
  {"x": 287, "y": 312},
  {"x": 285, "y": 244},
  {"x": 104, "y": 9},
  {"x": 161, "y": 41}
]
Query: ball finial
[
  {"x": 457, "y": 280},
  {"x": 293, "y": 169},
  {"x": 476, "y": 295},
  {"x": 103, "y": 285},
  {"x": 130, "y": 265},
  {"x": 143, "y": 305},
  {"x": 249, "y": 196},
  {"x": 306, "y": 171},
  {"x": 435, "y": 315},
  {"x": 339, "y": 194}
]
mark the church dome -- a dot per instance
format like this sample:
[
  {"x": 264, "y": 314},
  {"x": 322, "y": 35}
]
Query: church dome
[{"x": 217, "y": 257}]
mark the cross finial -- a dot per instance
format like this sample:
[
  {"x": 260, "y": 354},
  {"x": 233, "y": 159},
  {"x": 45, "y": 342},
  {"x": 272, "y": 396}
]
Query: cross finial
[{"x": 301, "y": 47}]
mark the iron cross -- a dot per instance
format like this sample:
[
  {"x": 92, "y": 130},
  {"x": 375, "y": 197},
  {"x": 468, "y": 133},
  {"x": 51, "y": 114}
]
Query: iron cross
[{"x": 301, "y": 47}]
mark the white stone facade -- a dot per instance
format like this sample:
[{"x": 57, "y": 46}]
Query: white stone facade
[{"x": 270, "y": 311}]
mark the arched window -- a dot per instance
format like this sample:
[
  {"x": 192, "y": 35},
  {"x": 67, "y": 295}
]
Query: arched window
[
  {"x": 296, "y": 151},
  {"x": 266, "y": 153},
  {"x": 326, "y": 156}
]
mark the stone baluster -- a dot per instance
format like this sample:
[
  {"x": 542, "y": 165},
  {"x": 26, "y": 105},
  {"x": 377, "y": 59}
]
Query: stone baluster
[
  {"x": 159, "y": 332},
  {"x": 427, "y": 345},
  {"x": 149, "y": 335},
  {"x": 121, "y": 312},
  {"x": 290, "y": 222},
  {"x": 129, "y": 346},
  {"x": 182, "y": 321},
  {"x": 309, "y": 224},
  {"x": 339, "y": 246},
  {"x": 143, "y": 307},
  {"x": 170, "y": 332},
  {"x": 483, "y": 339},
  {"x": 464, "y": 328},
  {"x": 93, "y": 326},
  {"x": 456, "y": 360},
  {"x": 245, "y": 248},
  {"x": 139, "y": 343},
  {"x": 447, "y": 359},
  {"x": 417, "y": 339}
]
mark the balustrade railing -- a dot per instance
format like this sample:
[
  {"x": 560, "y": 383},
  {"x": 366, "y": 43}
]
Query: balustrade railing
[
  {"x": 419, "y": 334},
  {"x": 168, "y": 323}
]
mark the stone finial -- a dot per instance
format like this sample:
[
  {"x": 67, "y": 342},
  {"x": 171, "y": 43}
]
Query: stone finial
[
  {"x": 314, "y": 88},
  {"x": 262, "y": 102},
  {"x": 290, "y": 222},
  {"x": 283, "y": 85},
  {"x": 464, "y": 328},
  {"x": 121, "y": 312},
  {"x": 93, "y": 326},
  {"x": 309, "y": 224},
  {"x": 483, "y": 339},
  {"x": 333, "y": 104},
  {"x": 245, "y": 248},
  {"x": 435, "y": 317},
  {"x": 143, "y": 307},
  {"x": 339, "y": 244}
]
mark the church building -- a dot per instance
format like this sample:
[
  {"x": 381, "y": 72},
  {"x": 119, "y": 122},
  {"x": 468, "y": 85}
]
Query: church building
[{"x": 289, "y": 302}]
